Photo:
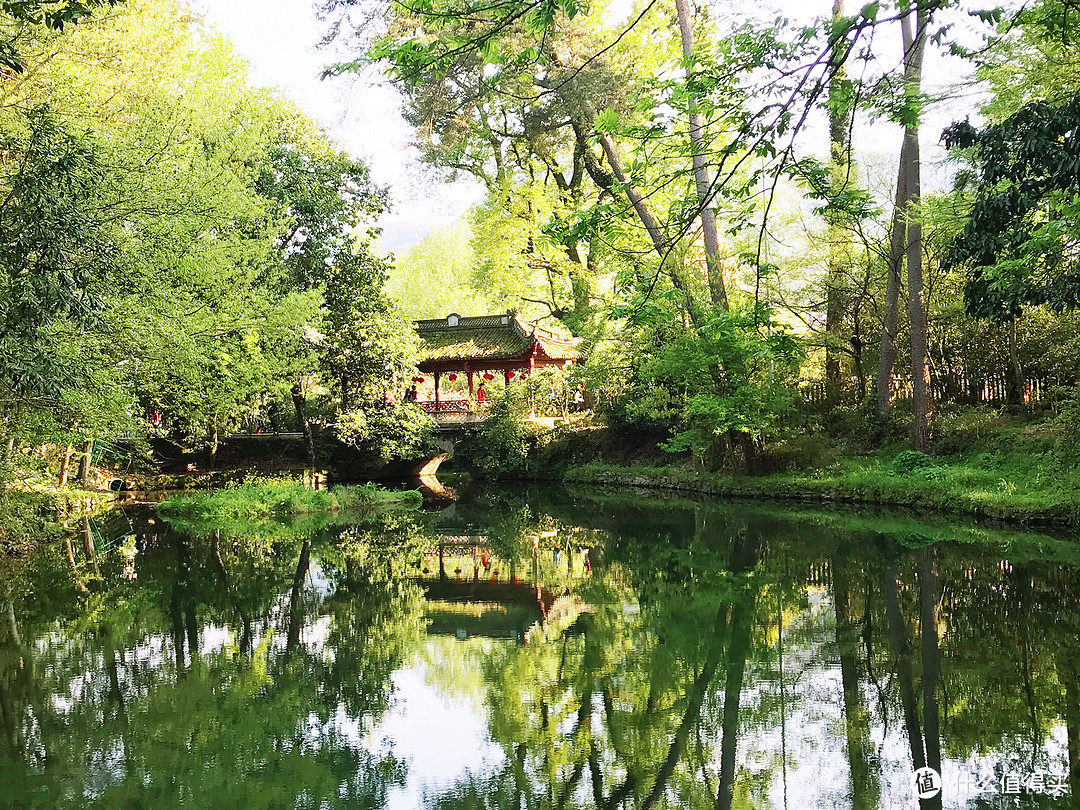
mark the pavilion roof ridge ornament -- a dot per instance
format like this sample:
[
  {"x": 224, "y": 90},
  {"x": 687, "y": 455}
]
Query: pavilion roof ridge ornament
[{"x": 455, "y": 321}]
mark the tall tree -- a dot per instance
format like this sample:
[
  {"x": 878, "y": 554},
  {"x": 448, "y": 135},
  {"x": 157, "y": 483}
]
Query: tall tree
[
  {"x": 906, "y": 238},
  {"x": 914, "y": 49},
  {"x": 840, "y": 108}
]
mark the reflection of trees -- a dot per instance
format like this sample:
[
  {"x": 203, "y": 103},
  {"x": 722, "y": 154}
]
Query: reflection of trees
[
  {"x": 621, "y": 708},
  {"x": 136, "y": 704},
  {"x": 971, "y": 643},
  {"x": 946, "y": 648},
  {"x": 925, "y": 748},
  {"x": 239, "y": 668},
  {"x": 865, "y": 786}
]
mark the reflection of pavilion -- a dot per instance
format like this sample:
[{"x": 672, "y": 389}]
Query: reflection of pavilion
[{"x": 472, "y": 591}]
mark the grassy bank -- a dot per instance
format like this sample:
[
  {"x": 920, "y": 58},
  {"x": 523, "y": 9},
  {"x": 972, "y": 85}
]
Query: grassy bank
[
  {"x": 951, "y": 488},
  {"x": 982, "y": 463},
  {"x": 280, "y": 498}
]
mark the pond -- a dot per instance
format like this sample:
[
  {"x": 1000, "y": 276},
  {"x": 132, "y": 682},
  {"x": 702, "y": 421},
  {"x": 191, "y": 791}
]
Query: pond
[{"x": 543, "y": 649}]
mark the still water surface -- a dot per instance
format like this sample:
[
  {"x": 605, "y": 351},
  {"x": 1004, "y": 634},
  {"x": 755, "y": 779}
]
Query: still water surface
[{"x": 542, "y": 649}]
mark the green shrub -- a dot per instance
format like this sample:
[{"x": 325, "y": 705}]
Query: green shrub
[
  {"x": 280, "y": 497},
  {"x": 881, "y": 429},
  {"x": 257, "y": 498},
  {"x": 1066, "y": 447},
  {"x": 371, "y": 494},
  {"x": 957, "y": 428},
  {"x": 399, "y": 431},
  {"x": 804, "y": 452},
  {"x": 504, "y": 442},
  {"x": 913, "y": 462}
]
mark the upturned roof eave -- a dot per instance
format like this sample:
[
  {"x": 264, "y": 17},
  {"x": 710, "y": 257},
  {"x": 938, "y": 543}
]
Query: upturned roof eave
[{"x": 538, "y": 342}]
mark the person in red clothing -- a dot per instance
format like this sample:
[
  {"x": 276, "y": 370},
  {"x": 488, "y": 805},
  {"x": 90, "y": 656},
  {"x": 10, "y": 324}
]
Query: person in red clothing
[{"x": 481, "y": 394}]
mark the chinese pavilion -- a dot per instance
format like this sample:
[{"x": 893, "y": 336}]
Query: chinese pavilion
[{"x": 484, "y": 345}]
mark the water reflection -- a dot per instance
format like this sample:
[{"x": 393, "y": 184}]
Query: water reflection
[{"x": 542, "y": 651}]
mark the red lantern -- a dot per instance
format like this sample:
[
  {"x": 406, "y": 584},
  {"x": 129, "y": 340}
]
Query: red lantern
[
  {"x": 451, "y": 377},
  {"x": 417, "y": 379},
  {"x": 488, "y": 376},
  {"x": 510, "y": 375}
]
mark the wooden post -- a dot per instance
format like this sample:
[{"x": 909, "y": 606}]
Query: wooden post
[
  {"x": 532, "y": 367},
  {"x": 84, "y": 462},
  {"x": 436, "y": 391},
  {"x": 211, "y": 451},
  {"x": 468, "y": 371},
  {"x": 506, "y": 377},
  {"x": 65, "y": 465}
]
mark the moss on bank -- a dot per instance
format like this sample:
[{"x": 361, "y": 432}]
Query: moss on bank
[{"x": 280, "y": 498}]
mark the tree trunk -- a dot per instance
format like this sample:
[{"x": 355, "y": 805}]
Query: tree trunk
[
  {"x": 1014, "y": 391},
  {"x": 296, "y": 613},
  {"x": 1069, "y": 676},
  {"x": 905, "y": 674},
  {"x": 652, "y": 227},
  {"x": 914, "y": 46},
  {"x": 857, "y": 360},
  {"x": 865, "y": 791},
  {"x": 88, "y": 545},
  {"x": 301, "y": 417},
  {"x": 698, "y": 149},
  {"x": 738, "y": 651},
  {"x": 211, "y": 452},
  {"x": 692, "y": 714},
  {"x": 84, "y": 462},
  {"x": 12, "y": 624},
  {"x": 65, "y": 465},
  {"x": 608, "y": 181},
  {"x": 931, "y": 665},
  {"x": 839, "y": 149},
  {"x": 897, "y": 245}
]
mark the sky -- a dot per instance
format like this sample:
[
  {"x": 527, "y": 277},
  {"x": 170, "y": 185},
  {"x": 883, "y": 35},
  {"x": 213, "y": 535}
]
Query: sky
[{"x": 279, "y": 39}]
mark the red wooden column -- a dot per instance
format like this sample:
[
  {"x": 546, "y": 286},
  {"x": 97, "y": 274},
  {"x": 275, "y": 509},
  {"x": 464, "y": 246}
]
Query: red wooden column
[
  {"x": 436, "y": 390},
  {"x": 506, "y": 377},
  {"x": 532, "y": 367},
  {"x": 468, "y": 371}
]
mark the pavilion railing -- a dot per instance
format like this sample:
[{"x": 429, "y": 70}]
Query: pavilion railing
[{"x": 451, "y": 406}]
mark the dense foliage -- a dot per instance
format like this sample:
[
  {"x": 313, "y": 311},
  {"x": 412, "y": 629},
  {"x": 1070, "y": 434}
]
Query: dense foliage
[
  {"x": 655, "y": 185},
  {"x": 182, "y": 253}
]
